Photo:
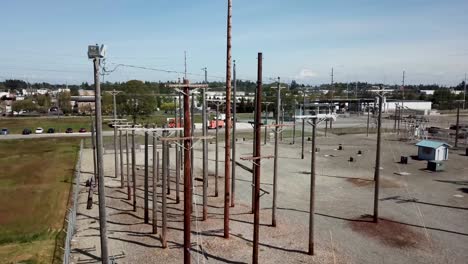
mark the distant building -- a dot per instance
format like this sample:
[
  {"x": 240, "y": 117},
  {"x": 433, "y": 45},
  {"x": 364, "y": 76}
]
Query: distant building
[
  {"x": 432, "y": 150},
  {"x": 391, "y": 105}
]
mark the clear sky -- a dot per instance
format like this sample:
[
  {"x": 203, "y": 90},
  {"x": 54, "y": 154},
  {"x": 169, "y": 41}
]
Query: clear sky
[{"x": 373, "y": 40}]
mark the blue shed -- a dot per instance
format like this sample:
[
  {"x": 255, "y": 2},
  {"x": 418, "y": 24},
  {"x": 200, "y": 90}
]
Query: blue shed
[{"x": 432, "y": 150}]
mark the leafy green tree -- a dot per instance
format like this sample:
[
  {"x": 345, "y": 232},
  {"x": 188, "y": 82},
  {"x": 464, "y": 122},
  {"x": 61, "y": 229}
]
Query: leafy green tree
[
  {"x": 64, "y": 102},
  {"x": 24, "y": 105},
  {"x": 135, "y": 100}
]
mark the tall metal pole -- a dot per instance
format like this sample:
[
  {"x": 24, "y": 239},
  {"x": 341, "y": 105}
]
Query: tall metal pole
[
  {"x": 134, "y": 170},
  {"x": 458, "y": 124},
  {"x": 275, "y": 169},
  {"x": 100, "y": 165},
  {"x": 205, "y": 152},
  {"x": 122, "y": 182},
  {"x": 146, "y": 183},
  {"x": 253, "y": 151},
  {"x": 129, "y": 192},
  {"x": 187, "y": 176},
  {"x": 155, "y": 185},
  {"x": 234, "y": 123},
  {"x": 312, "y": 190},
  {"x": 116, "y": 158},
  {"x": 227, "y": 149},
  {"x": 377, "y": 163},
  {"x": 216, "y": 151},
  {"x": 266, "y": 123},
  {"x": 257, "y": 161}
]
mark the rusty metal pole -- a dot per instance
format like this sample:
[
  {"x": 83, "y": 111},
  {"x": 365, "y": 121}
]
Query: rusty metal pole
[
  {"x": 134, "y": 171},
  {"x": 164, "y": 194},
  {"x": 216, "y": 151},
  {"x": 129, "y": 190},
  {"x": 257, "y": 161},
  {"x": 187, "y": 176},
  {"x": 155, "y": 187},
  {"x": 312, "y": 190},
  {"x": 227, "y": 149},
  {"x": 146, "y": 183}
]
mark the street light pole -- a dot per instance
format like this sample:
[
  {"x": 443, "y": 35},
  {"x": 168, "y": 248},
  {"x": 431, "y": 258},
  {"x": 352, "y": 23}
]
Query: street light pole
[{"x": 100, "y": 160}]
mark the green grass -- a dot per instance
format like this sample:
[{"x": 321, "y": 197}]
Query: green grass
[{"x": 35, "y": 185}]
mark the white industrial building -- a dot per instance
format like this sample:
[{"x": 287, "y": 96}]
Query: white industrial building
[{"x": 391, "y": 105}]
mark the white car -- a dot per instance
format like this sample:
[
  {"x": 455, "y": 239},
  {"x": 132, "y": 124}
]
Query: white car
[{"x": 39, "y": 130}]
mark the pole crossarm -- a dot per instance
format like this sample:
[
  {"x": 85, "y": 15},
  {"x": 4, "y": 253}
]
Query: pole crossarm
[
  {"x": 177, "y": 139},
  {"x": 253, "y": 159}
]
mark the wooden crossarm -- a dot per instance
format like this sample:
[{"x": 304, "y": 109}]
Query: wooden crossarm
[
  {"x": 185, "y": 138},
  {"x": 257, "y": 158}
]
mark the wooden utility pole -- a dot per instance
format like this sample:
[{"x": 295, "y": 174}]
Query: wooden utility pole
[
  {"x": 155, "y": 185},
  {"x": 381, "y": 94},
  {"x": 234, "y": 123},
  {"x": 164, "y": 193},
  {"x": 177, "y": 155},
  {"x": 205, "y": 151},
  {"x": 134, "y": 171},
  {"x": 257, "y": 160},
  {"x": 129, "y": 192},
  {"x": 275, "y": 167},
  {"x": 458, "y": 124},
  {"x": 100, "y": 164},
  {"x": 227, "y": 150},
  {"x": 188, "y": 140},
  {"x": 312, "y": 190},
  {"x": 146, "y": 182},
  {"x": 122, "y": 182}
]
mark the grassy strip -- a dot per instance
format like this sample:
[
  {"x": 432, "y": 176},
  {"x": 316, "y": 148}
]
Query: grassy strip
[{"x": 35, "y": 185}]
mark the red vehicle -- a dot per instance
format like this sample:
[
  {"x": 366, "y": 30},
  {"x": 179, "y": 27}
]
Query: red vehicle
[
  {"x": 213, "y": 123},
  {"x": 171, "y": 122},
  {"x": 82, "y": 130}
]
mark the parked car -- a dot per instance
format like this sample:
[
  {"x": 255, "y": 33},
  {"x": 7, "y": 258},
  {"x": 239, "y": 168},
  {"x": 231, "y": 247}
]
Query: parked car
[
  {"x": 51, "y": 130},
  {"x": 82, "y": 130},
  {"x": 5, "y": 131},
  {"x": 27, "y": 131},
  {"x": 69, "y": 130},
  {"x": 39, "y": 130}
]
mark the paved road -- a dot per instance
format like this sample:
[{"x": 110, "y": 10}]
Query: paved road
[{"x": 55, "y": 135}]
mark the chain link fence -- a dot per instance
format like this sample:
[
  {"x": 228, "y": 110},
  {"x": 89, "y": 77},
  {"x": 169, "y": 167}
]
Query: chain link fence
[{"x": 71, "y": 216}]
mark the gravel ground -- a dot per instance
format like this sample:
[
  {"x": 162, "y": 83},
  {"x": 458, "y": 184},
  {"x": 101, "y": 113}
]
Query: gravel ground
[{"x": 423, "y": 215}]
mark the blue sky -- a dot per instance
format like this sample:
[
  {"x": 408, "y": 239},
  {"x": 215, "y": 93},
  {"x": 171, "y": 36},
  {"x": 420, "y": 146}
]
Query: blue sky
[{"x": 370, "y": 41}]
